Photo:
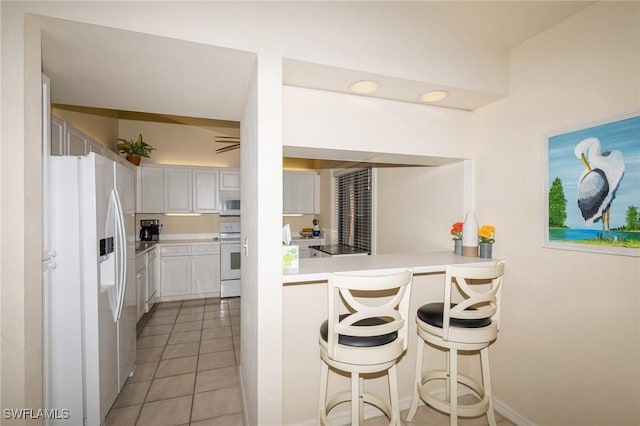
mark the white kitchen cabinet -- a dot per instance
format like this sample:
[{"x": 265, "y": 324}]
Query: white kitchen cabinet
[
  {"x": 76, "y": 141},
  {"x": 150, "y": 190},
  {"x": 314, "y": 253},
  {"x": 175, "y": 271},
  {"x": 67, "y": 140},
  {"x": 190, "y": 270},
  {"x": 93, "y": 146},
  {"x": 141, "y": 285},
  {"x": 303, "y": 246},
  {"x": 205, "y": 191},
  {"x": 229, "y": 180},
  {"x": 58, "y": 141},
  {"x": 178, "y": 194},
  {"x": 206, "y": 269},
  {"x": 301, "y": 192},
  {"x": 178, "y": 190},
  {"x": 153, "y": 278}
]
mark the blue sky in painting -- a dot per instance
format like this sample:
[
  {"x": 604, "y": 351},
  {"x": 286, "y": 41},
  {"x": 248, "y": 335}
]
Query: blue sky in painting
[{"x": 623, "y": 135}]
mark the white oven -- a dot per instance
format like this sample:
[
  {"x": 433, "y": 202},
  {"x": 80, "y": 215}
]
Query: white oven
[{"x": 230, "y": 259}]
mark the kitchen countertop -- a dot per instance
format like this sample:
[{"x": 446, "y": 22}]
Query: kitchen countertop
[
  {"x": 144, "y": 246},
  {"x": 318, "y": 269}
]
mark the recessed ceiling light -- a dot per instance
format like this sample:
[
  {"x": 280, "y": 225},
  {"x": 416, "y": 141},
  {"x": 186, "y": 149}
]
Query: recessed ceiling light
[
  {"x": 434, "y": 96},
  {"x": 364, "y": 86}
]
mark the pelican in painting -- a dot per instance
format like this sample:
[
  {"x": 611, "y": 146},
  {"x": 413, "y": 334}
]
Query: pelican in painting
[{"x": 598, "y": 182}]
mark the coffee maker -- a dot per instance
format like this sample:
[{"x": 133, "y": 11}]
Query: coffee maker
[{"x": 150, "y": 230}]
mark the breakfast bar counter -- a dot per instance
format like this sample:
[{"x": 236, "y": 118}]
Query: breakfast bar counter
[
  {"x": 318, "y": 269},
  {"x": 305, "y": 308}
]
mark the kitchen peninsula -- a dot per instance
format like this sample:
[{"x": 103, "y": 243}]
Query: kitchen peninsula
[
  {"x": 305, "y": 308},
  {"x": 318, "y": 269}
]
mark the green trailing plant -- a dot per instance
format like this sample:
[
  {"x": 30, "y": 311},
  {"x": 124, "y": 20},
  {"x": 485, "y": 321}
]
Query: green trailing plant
[{"x": 137, "y": 148}]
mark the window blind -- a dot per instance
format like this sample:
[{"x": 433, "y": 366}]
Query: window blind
[{"x": 353, "y": 205}]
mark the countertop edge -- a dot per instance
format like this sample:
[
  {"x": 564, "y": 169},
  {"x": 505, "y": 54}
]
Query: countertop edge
[
  {"x": 154, "y": 244},
  {"x": 318, "y": 269}
]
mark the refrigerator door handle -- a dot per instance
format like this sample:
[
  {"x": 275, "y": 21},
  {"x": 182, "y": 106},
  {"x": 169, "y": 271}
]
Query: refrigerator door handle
[
  {"x": 122, "y": 256},
  {"x": 108, "y": 255}
]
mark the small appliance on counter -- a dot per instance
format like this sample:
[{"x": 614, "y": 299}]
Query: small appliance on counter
[{"x": 150, "y": 230}]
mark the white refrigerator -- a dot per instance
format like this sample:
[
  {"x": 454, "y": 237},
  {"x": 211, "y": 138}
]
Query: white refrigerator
[{"x": 91, "y": 299}]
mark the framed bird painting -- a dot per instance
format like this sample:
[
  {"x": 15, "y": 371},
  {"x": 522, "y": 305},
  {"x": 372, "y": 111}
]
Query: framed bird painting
[{"x": 592, "y": 187}]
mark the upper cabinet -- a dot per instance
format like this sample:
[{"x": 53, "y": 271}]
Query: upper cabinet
[
  {"x": 301, "y": 192},
  {"x": 205, "y": 191},
  {"x": 229, "y": 179},
  {"x": 150, "y": 190},
  {"x": 76, "y": 141},
  {"x": 67, "y": 140},
  {"x": 177, "y": 189},
  {"x": 58, "y": 140}
]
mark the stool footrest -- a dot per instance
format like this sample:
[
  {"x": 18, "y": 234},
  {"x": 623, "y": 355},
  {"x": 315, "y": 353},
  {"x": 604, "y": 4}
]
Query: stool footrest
[
  {"x": 368, "y": 397},
  {"x": 464, "y": 410}
]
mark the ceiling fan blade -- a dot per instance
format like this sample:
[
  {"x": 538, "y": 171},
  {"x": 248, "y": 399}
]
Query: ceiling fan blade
[
  {"x": 227, "y": 139},
  {"x": 227, "y": 148}
]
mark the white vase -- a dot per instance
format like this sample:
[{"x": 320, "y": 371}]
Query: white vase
[{"x": 470, "y": 235}]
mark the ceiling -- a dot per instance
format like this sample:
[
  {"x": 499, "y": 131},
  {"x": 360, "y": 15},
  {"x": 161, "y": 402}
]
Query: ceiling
[
  {"x": 103, "y": 67},
  {"x": 131, "y": 75}
]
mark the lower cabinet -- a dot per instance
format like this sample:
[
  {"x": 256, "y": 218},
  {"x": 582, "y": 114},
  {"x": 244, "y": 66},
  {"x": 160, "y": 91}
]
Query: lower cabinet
[
  {"x": 141, "y": 285},
  {"x": 303, "y": 246},
  {"x": 153, "y": 278},
  {"x": 176, "y": 276},
  {"x": 190, "y": 270}
]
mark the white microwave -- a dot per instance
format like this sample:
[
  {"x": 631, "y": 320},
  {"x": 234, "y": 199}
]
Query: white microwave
[{"x": 229, "y": 203}]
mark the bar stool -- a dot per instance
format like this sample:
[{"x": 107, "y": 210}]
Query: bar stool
[
  {"x": 468, "y": 324},
  {"x": 367, "y": 337}
]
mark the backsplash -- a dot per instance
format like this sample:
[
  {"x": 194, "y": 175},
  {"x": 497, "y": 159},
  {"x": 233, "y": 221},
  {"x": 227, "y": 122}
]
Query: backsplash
[
  {"x": 207, "y": 223},
  {"x": 210, "y": 223}
]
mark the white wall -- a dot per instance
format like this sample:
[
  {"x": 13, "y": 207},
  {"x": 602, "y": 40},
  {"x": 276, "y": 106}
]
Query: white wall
[
  {"x": 179, "y": 144},
  {"x": 326, "y": 120},
  {"x": 416, "y": 207},
  {"x": 261, "y": 165},
  {"x": 569, "y": 348}
]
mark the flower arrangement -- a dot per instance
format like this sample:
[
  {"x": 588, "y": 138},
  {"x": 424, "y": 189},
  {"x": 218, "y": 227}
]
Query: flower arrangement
[
  {"x": 456, "y": 231},
  {"x": 485, "y": 233}
]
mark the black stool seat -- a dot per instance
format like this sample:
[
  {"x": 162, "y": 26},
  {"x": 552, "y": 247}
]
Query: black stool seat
[
  {"x": 359, "y": 341},
  {"x": 432, "y": 314}
]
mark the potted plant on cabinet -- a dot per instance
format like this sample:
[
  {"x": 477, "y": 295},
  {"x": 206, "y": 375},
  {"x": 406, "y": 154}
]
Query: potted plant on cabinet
[{"x": 134, "y": 150}]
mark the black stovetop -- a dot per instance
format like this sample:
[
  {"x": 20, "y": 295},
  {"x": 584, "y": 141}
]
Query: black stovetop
[{"x": 338, "y": 249}]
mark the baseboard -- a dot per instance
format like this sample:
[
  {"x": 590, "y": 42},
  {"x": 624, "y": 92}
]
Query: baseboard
[
  {"x": 344, "y": 418},
  {"x": 509, "y": 413}
]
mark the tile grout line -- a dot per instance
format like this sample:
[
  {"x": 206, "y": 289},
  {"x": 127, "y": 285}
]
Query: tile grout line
[
  {"x": 222, "y": 313},
  {"x": 144, "y": 401},
  {"x": 195, "y": 378}
]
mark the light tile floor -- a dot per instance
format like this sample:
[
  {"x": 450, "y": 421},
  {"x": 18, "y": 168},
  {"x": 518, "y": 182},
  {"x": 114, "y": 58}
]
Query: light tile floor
[{"x": 186, "y": 369}]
